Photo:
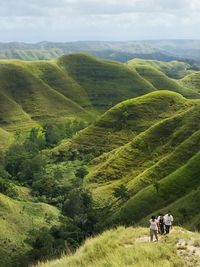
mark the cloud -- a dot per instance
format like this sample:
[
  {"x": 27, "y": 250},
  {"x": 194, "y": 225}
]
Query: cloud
[{"x": 67, "y": 20}]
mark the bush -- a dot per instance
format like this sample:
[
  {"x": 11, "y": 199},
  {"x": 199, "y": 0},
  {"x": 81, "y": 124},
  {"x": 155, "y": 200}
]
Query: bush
[
  {"x": 121, "y": 192},
  {"x": 7, "y": 188}
]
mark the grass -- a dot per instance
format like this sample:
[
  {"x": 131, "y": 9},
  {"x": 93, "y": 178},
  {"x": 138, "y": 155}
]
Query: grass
[
  {"x": 160, "y": 81},
  {"x": 172, "y": 187},
  {"x": 76, "y": 85},
  {"x": 192, "y": 81},
  {"x": 105, "y": 82},
  {"x": 159, "y": 138},
  {"x": 185, "y": 210},
  {"x": 17, "y": 219},
  {"x": 125, "y": 247},
  {"x": 112, "y": 130},
  {"x": 173, "y": 69},
  {"x": 6, "y": 139}
]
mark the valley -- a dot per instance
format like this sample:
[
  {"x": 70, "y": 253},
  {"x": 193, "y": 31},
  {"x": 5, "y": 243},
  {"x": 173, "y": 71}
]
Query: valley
[{"x": 87, "y": 144}]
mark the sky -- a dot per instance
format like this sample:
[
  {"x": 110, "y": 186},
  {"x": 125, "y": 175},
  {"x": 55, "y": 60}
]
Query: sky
[{"x": 109, "y": 20}]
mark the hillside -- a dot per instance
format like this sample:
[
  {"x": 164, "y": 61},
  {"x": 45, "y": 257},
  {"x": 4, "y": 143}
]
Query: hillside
[
  {"x": 159, "y": 80},
  {"x": 131, "y": 247},
  {"x": 17, "y": 220},
  {"x": 76, "y": 86},
  {"x": 192, "y": 81},
  {"x": 115, "y": 148},
  {"x": 103, "y": 81},
  {"x": 158, "y": 135},
  {"x": 126, "y": 120},
  {"x": 173, "y": 69},
  {"x": 149, "y": 159}
]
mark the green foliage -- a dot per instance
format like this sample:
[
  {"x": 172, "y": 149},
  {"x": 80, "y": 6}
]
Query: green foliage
[
  {"x": 81, "y": 172},
  {"x": 121, "y": 192},
  {"x": 7, "y": 188},
  {"x": 156, "y": 185}
]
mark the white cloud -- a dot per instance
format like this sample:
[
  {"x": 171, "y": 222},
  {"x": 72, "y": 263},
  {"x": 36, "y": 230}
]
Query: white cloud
[{"x": 67, "y": 20}]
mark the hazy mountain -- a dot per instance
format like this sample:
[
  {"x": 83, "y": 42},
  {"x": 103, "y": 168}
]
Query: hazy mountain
[{"x": 165, "y": 50}]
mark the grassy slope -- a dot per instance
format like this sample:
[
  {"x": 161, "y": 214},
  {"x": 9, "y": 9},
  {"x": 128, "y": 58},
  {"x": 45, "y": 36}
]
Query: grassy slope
[
  {"x": 107, "y": 133},
  {"x": 6, "y": 139},
  {"x": 105, "y": 82},
  {"x": 192, "y": 81},
  {"x": 173, "y": 69},
  {"x": 185, "y": 210},
  {"x": 172, "y": 187},
  {"x": 12, "y": 115},
  {"x": 161, "y": 134},
  {"x": 16, "y": 220},
  {"x": 147, "y": 159},
  {"x": 50, "y": 73},
  {"x": 151, "y": 156},
  {"x": 34, "y": 96},
  {"x": 72, "y": 85},
  {"x": 129, "y": 247},
  {"x": 160, "y": 81}
]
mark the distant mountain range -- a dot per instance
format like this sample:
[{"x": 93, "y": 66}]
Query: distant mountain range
[{"x": 165, "y": 50}]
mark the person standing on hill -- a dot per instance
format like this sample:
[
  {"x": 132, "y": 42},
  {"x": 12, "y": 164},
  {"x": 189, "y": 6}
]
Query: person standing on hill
[
  {"x": 168, "y": 220},
  {"x": 153, "y": 228},
  {"x": 161, "y": 224}
]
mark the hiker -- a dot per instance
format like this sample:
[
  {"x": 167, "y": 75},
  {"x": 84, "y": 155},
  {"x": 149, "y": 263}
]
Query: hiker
[
  {"x": 168, "y": 220},
  {"x": 153, "y": 228},
  {"x": 161, "y": 224}
]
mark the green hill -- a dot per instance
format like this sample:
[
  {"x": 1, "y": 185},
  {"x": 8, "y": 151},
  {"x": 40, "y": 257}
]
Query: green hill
[
  {"x": 158, "y": 136},
  {"x": 159, "y": 80},
  {"x": 35, "y": 97},
  {"x": 192, "y": 81},
  {"x": 131, "y": 247},
  {"x": 105, "y": 82},
  {"x": 151, "y": 157},
  {"x": 17, "y": 219},
  {"x": 141, "y": 137},
  {"x": 173, "y": 69},
  {"x": 126, "y": 120},
  {"x": 77, "y": 85}
]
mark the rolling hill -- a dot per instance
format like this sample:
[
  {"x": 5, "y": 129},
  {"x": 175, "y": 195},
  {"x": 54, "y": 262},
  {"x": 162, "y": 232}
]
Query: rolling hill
[
  {"x": 159, "y": 80},
  {"x": 192, "y": 81},
  {"x": 77, "y": 85},
  {"x": 144, "y": 134},
  {"x": 156, "y": 142},
  {"x": 173, "y": 69},
  {"x": 126, "y": 120}
]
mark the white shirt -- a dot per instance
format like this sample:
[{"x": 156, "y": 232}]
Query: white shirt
[
  {"x": 153, "y": 224},
  {"x": 168, "y": 219}
]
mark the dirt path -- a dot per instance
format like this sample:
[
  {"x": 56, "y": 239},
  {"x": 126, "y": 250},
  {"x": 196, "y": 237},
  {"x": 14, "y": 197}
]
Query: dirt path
[{"x": 189, "y": 249}]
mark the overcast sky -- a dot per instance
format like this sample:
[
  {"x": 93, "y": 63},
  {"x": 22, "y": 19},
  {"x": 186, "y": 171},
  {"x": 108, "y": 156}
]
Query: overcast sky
[{"x": 73, "y": 20}]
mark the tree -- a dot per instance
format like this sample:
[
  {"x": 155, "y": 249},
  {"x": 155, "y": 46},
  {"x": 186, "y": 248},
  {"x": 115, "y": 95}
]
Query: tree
[
  {"x": 53, "y": 134},
  {"x": 7, "y": 188},
  {"x": 81, "y": 172},
  {"x": 36, "y": 138},
  {"x": 31, "y": 168},
  {"x": 14, "y": 159},
  {"x": 156, "y": 185},
  {"x": 121, "y": 192}
]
